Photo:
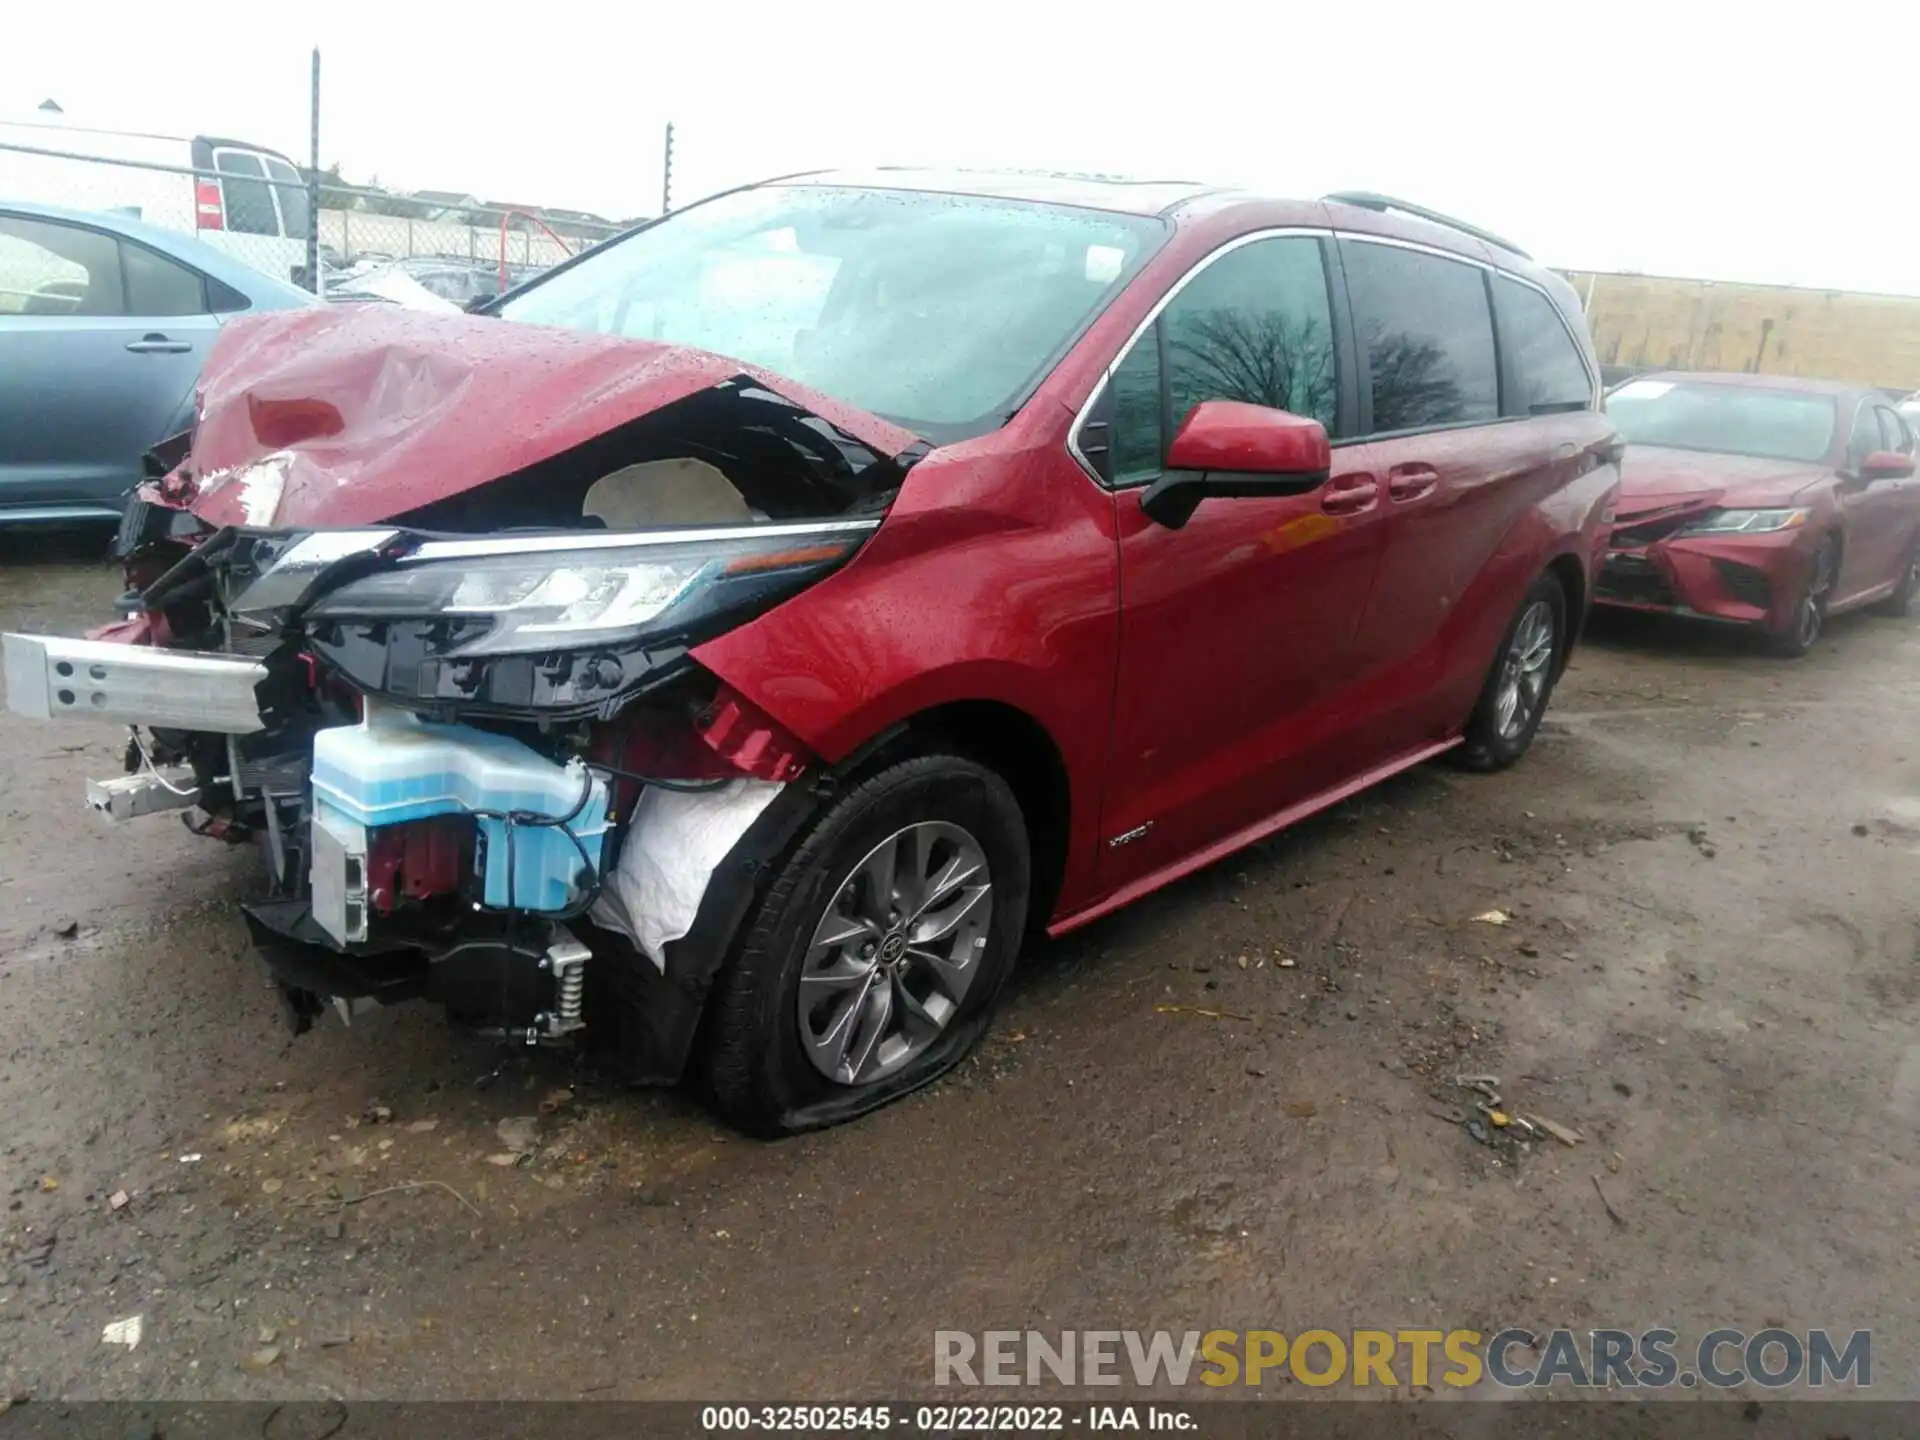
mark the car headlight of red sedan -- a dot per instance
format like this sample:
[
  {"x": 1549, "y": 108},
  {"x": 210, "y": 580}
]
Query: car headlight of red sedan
[{"x": 1747, "y": 522}]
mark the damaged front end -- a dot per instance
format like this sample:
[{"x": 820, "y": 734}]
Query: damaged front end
[{"x": 471, "y": 741}]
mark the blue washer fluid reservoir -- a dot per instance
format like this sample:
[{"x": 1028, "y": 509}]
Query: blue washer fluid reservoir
[{"x": 393, "y": 767}]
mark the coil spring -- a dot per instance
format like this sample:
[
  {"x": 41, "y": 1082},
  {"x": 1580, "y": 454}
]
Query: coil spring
[{"x": 571, "y": 983}]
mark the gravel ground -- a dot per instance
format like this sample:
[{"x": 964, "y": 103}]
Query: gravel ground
[{"x": 1709, "y": 972}]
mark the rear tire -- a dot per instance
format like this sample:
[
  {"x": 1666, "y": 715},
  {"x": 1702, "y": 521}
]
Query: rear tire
[
  {"x": 885, "y": 1005},
  {"x": 1520, "y": 682}
]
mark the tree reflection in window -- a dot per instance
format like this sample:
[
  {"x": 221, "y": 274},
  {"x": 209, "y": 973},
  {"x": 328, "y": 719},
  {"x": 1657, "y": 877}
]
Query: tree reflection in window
[
  {"x": 1263, "y": 357},
  {"x": 1137, "y": 442},
  {"x": 1412, "y": 385},
  {"x": 1254, "y": 326},
  {"x": 1429, "y": 336}
]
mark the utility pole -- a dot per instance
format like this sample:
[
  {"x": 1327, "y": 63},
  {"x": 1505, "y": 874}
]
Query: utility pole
[
  {"x": 666, "y": 173},
  {"x": 314, "y": 281}
]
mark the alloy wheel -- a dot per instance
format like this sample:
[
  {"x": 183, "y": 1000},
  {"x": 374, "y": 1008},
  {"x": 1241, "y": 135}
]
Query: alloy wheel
[
  {"x": 1525, "y": 671},
  {"x": 895, "y": 953}
]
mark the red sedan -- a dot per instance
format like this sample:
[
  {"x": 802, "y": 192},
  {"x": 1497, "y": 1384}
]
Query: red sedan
[{"x": 1764, "y": 501}]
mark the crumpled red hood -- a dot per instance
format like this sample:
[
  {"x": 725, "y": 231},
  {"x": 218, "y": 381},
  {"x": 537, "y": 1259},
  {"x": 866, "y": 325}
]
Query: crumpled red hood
[
  {"x": 1653, "y": 477},
  {"x": 354, "y": 415}
]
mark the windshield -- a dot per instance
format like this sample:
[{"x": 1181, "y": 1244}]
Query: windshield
[
  {"x": 1727, "y": 419},
  {"x": 938, "y": 312}
]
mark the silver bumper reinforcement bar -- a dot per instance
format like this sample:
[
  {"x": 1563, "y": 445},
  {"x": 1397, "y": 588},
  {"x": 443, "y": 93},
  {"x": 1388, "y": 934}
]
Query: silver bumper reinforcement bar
[{"x": 50, "y": 677}]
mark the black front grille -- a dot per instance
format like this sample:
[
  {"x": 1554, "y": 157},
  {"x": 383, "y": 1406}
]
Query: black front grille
[
  {"x": 1636, "y": 581},
  {"x": 1745, "y": 584}
]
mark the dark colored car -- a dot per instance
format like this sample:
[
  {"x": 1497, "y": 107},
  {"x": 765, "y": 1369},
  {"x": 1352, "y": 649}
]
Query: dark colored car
[
  {"x": 1763, "y": 501},
  {"x": 759, "y": 627}
]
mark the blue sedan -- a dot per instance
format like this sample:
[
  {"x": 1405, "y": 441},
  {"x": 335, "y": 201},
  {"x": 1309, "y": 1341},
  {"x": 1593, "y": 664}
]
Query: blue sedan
[{"x": 104, "y": 325}]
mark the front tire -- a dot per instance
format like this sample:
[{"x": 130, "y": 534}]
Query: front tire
[
  {"x": 1520, "y": 682},
  {"x": 1810, "y": 607},
  {"x": 872, "y": 961}
]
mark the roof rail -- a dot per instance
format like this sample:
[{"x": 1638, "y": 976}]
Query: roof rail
[{"x": 1368, "y": 200}]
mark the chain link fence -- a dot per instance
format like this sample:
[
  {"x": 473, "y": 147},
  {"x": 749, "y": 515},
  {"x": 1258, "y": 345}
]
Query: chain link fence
[
  {"x": 455, "y": 247},
  {"x": 262, "y": 210}
]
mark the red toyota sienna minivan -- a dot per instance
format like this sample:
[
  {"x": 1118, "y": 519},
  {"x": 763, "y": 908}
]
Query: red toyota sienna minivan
[{"x": 736, "y": 644}]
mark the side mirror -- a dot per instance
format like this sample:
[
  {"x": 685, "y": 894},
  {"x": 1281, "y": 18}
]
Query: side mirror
[
  {"x": 1886, "y": 465},
  {"x": 1228, "y": 447}
]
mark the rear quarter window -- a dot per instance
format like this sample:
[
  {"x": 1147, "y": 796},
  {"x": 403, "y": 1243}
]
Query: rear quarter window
[
  {"x": 223, "y": 299},
  {"x": 1544, "y": 365},
  {"x": 159, "y": 286}
]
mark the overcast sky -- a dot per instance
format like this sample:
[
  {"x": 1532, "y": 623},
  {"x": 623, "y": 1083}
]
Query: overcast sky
[{"x": 1667, "y": 137}]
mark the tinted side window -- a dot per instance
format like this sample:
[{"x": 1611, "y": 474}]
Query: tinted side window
[
  {"x": 1254, "y": 326},
  {"x": 1542, "y": 358},
  {"x": 159, "y": 286},
  {"x": 223, "y": 299},
  {"x": 48, "y": 268},
  {"x": 249, "y": 201},
  {"x": 1428, "y": 337}
]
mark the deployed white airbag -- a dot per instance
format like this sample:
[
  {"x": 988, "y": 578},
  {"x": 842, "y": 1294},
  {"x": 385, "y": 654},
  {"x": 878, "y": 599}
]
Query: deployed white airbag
[
  {"x": 665, "y": 492},
  {"x": 674, "y": 843}
]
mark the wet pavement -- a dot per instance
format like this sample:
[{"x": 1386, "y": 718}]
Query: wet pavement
[{"x": 1223, "y": 1108}]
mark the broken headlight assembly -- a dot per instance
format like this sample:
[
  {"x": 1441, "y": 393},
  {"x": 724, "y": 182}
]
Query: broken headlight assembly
[{"x": 557, "y": 621}]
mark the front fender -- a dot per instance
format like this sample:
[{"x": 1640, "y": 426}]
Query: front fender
[{"x": 968, "y": 592}]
